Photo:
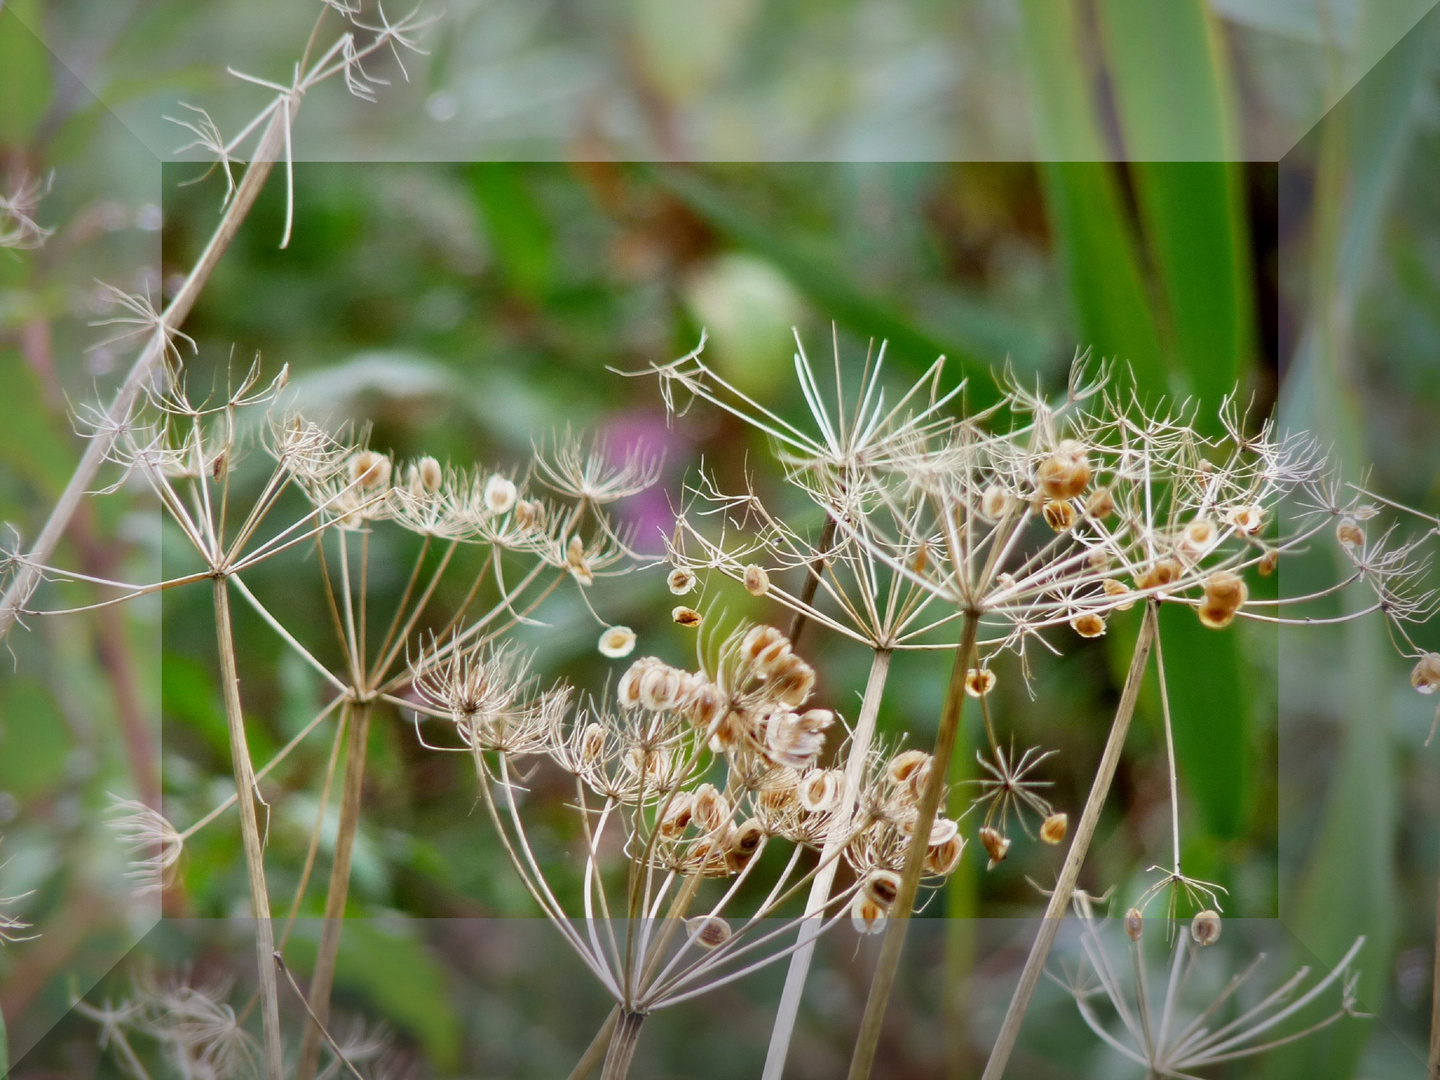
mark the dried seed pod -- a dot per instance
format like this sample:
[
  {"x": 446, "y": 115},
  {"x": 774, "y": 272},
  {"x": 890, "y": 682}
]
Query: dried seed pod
[
  {"x": 1098, "y": 559},
  {"x": 1116, "y": 587},
  {"x": 792, "y": 680},
  {"x": 1163, "y": 573},
  {"x": 1224, "y": 594},
  {"x": 1196, "y": 538},
  {"x": 757, "y": 581},
  {"x": 617, "y": 641},
  {"x": 1266, "y": 566},
  {"x": 500, "y": 494},
  {"x": 1134, "y": 924},
  {"x": 882, "y": 886},
  {"x": 369, "y": 471},
  {"x": 942, "y": 830},
  {"x": 1054, "y": 828},
  {"x": 1059, "y": 515},
  {"x": 530, "y": 515},
  {"x": 979, "y": 681},
  {"x": 763, "y": 647},
  {"x": 580, "y": 568},
  {"x": 681, "y": 581},
  {"x": 866, "y": 916},
  {"x": 1088, "y": 625},
  {"x": 592, "y": 743},
  {"x": 1425, "y": 675},
  {"x": 708, "y": 931},
  {"x": 906, "y": 764},
  {"x": 430, "y": 474},
  {"x": 994, "y": 502},
  {"x": 677, "y": 814},
  {"x": 941, "y": 859},
  {"x": 706, "y": 702},
  {"x": 1205, "y": 927},
  {"x": 709, "y": 809},
  {"x": 1349, "y": 533},
  {"x": 820, "y": 790},
  {"x": 1065, "y": 473},
  {"x": 685, "y": 616},
  {"x": 663, "y": 688},
  {"x": 997, "y": 845},
  {"x": 1245, "y": 519},
  {"x": 745, "y": 841},
  {"x": 1100, "y": 504},
  {"x": 796, "y": 740},
  {"x": 780, "y": 791}
]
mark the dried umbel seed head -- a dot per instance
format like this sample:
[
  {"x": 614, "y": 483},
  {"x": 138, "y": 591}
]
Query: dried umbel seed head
[
  {"x": 677, "y": 814},
  {"x": 1163, "y": 573},
  {"x": 709, "y": 809},
  {"x": 1224, "y": 594},
  {"x": 708, "y": 931},
  {"x": 745, "y": 841},
  {"x": 763, "y": 648},
  {"x": 792, "y": 680},
  {"x": 757, "y": 581},
  {"x": 580, "y": 568},
  {"x": 1425, "y": 675},
  {"x": 1196, "y": 538},
  {"x": 866, "y": 916},
  {"x": 1059, "y": 515},
  {"x": 1134, "y": 924},
  {"x": 1205, "y": 927},
  {"x": 429, "y": 474},
  {"x": 681, "y": 581},
  {"x": 1088, "y": 625},
  {"x": 820, "y": 790},
  {"x": 1100, "y": 504},
  {"x": 1054, "y": 828},
  {"x": 628, "y": 692},
  {"x": 500, "y": 494},
  {"x": 685, "y": 616},
  {"x": 530, "y": 515},
  {"x": 369, "y": 471},
  {"x": 994, "y": 502},
  {"x": 1246, "y": 519},
  {"x": 997, "y": 845},
  {"x": 617, "y": 641},
  {"x": 904, "y": 765},
  {"x": 1116, "y": 587},
  {"x": 1065, "y": 473},
  {"x": 979, "y": 681},
  {"x": 941, "y": 859},
  {"x": 663, "y": 688},
  {"x": 882, "y": 886},
  {"x": 1349, "y": 533}
]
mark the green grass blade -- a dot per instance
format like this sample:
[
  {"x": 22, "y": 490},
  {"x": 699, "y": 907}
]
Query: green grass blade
[{"x": 25, "y": 83}]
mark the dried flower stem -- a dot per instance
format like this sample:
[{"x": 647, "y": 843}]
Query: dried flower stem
[
  {"x": 1079, "y": 847},
  {"x": 622, "y": 1046},
  {"x": 812, "y": 580},
  {"x": 250, "y": 831},
  {"x": 860, "y": 741},
  {"x": 597, "y": 1048},
  {"x": 329, "y": 948},
  {"x": 888, "y": 966},
  {"x": 159, "y": 341}
]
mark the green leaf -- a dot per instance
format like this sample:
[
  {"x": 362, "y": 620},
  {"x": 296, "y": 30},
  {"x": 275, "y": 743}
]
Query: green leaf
[
  {"x": 816, "y": 274},
  {"x": 402, "y": 981},
  {"x": 25, "y": 81},
  {"x": 520, "y": 236},
  {"x": 34, "y": 740},
  {"x": 29, "y": 443}
]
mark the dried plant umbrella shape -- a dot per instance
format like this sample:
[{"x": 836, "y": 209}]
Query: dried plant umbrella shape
[
  {"x": 690, "y": 777},
  {"x": 1035, "y": 521}
]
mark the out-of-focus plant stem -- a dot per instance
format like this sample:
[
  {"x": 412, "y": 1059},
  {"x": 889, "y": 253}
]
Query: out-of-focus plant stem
[
  {"x": 889, "y": 964},
  {"x": 151, "y": 356},
  {"x": 250, "y": 831},
  {"x": 1079, "y": 847},
  {"x": 329, "y": 949},
  {"x": 622, "y": 1046}
]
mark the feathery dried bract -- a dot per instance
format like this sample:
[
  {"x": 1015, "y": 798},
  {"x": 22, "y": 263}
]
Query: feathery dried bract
[
  {"x": 18, "y": 228},
  {"x": 1162, "y": 1032},
  {"x": 489, "y": 694},
  {"x": 147, "y": 833},
  {"x": 587, "y": 471}
]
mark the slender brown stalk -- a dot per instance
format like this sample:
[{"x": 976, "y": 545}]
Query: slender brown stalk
[
  {"x": 329, "y": 949},
  {"x": 812, "y": 579},
  {"x": 860, "y": 742},
  {"x": 1079, "y": 846},
  {"x": 151, "y": 355},
  {"x": 889, "y": 964},
  {"x": 1434, "y": 1063},
  {"x": 250, "y": 832},
  {"x": 622, "y": 1046},
  {"x": 597, "y": 1048}
]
